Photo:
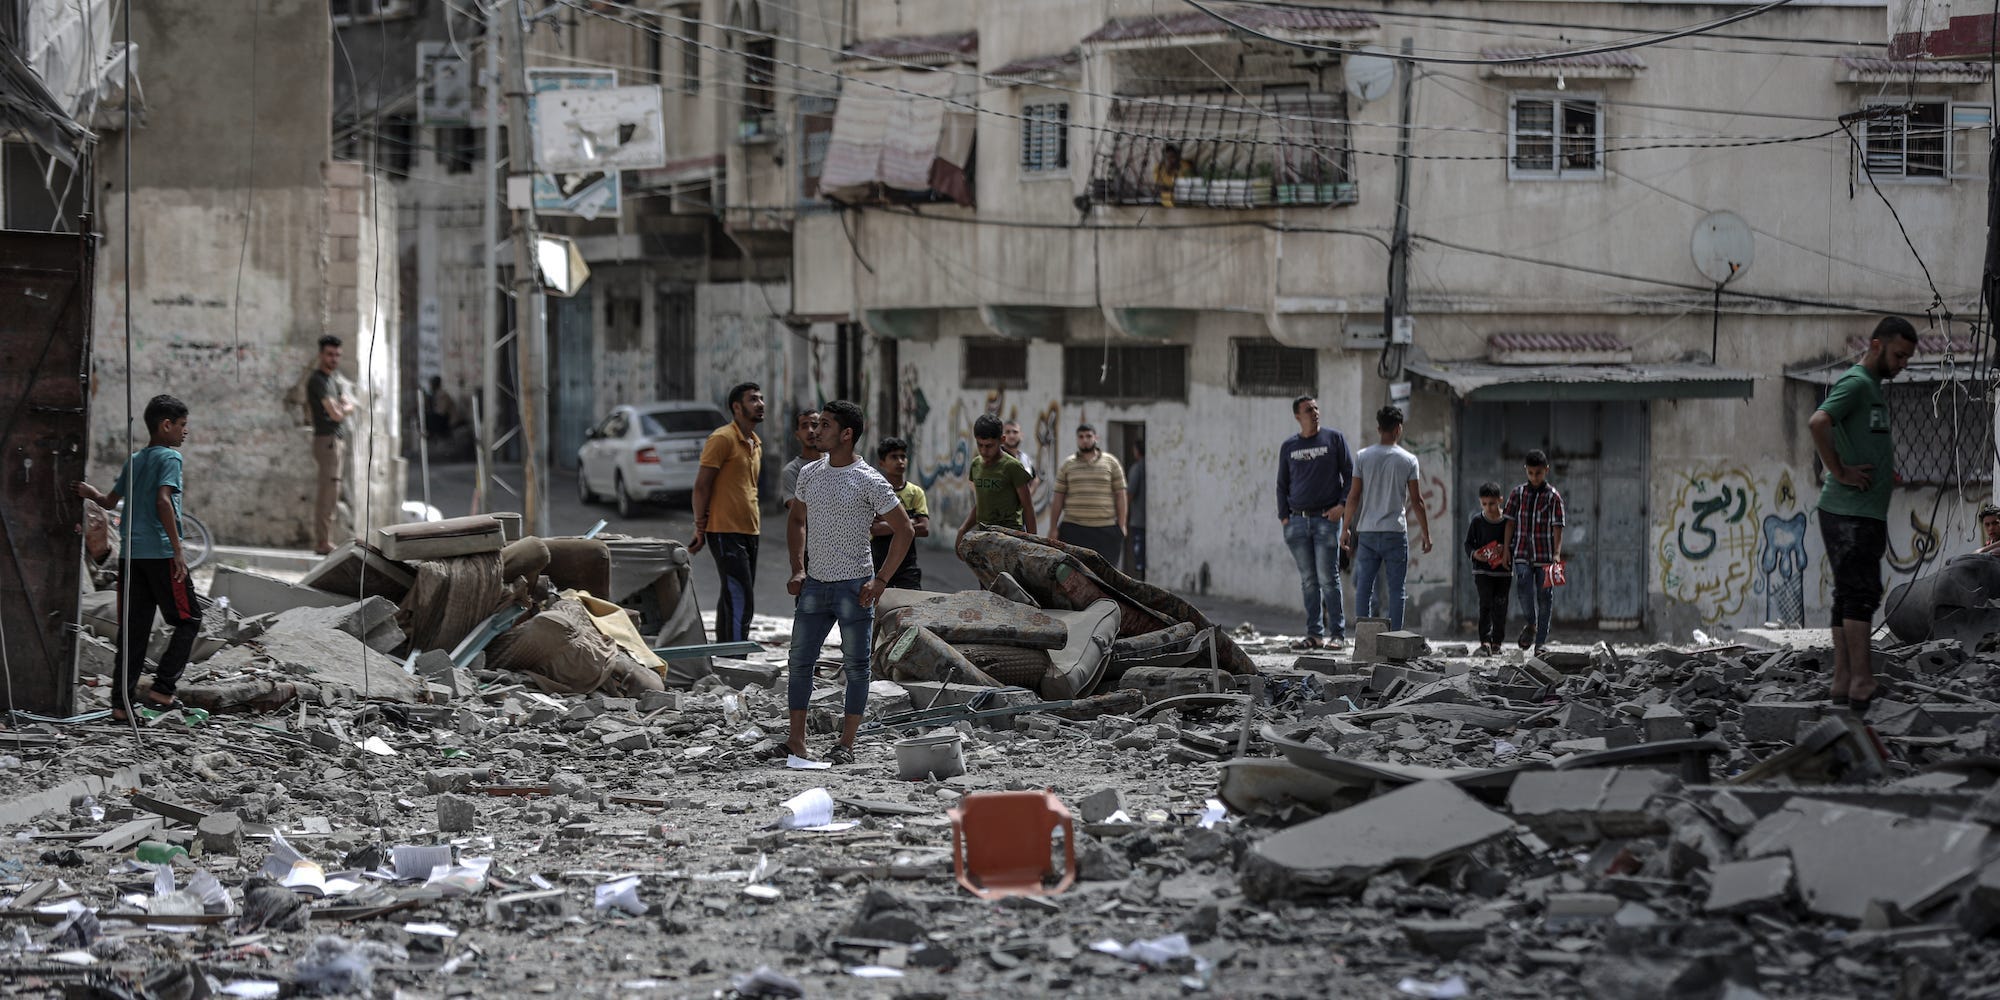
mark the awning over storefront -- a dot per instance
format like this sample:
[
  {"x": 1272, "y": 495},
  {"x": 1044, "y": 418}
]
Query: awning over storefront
[
  {"x": 1149, "y": 31},
  {"x": 894, "y": 129},
  {"x": 1483, "y": 382}
]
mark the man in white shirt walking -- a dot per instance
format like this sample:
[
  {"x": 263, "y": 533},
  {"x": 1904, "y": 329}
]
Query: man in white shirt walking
[{"x": 839, "y": 497}]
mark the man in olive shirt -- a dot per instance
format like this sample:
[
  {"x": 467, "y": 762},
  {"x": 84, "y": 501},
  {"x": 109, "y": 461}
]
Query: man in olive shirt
[
  {"x": 725, "y": 509},
  {"x": 1000, "y": 490},
  {"x": 1089, "y": 506},
  {"x": 1851, "y": 432}
]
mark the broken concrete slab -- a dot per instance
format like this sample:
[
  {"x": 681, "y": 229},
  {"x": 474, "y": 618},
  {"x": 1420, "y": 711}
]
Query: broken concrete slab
[
  {"x": 334, "y": 663},
  {"x": 357, "y": 571},
  {"x": 1417, "y": 827},
  {"x": 1777, "y": 721},
  {"x": 1746, "y": 886},
  {"x": 1585, "y": 806},
  {"x": 373, "y": 621},
  {"x": 256, "y": 594},
  {"x": 1848, "y": 858},
  {"x": 741, "y": 674}
]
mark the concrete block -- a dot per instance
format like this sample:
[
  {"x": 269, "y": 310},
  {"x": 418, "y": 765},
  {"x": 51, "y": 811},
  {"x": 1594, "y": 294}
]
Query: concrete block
[
  {"x": 1416, "y": 826},
  {"x": 1401, "y": 646},
  {"x": 654, "y": 701},
  {"x": 741, "y": 674},
  {"x": 1098, "y": 805},
  {"x": 628, "y": 741},
  {"x": 1161, "y": 683},
  {"x": 95, "y": 657},
  {"x": 456, "y": 814},
  {"x": 1443, "y": 938},
  {"x": 434, "y": 665},
  {"x": 220, "y": 833},
  {"x": 1745, "y": 886},
  {"x": 1777, "y": 721},
  {"x": 1665, "y": 722},
  {"x": 453, "y": 779},
  {"x": 1572, "y": 909},
  {"x": 256, "y": 594},
  {"x": 1938, "y": 656}
]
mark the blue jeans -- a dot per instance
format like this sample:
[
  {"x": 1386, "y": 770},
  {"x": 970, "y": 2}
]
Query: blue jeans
[
  {"x": 820, "y": 606},
  {"x": 1536, "y": 600},
  {"x": 1315, "y": 545},
  {"x": 1374, "y": 553}
]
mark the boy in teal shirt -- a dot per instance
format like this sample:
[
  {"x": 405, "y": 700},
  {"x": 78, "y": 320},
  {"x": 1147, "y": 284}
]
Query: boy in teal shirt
[
  {"x": 158, "y": 579},
  {"x": 1851, "y": 433}
]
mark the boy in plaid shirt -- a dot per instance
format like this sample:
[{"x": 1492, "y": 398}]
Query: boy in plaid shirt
[{"x": 1535, "y": 518}]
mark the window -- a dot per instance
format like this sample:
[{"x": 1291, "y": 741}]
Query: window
[
  {"x": 395, "y": 145},
  {"x": 993, "y": 363},
  {"x": 1044, "y": 137},
  {"x": 691, "y": 48},
  {"x": 459, "y": 148},
  {"x": 815, "y": 132},
  {"x": 1268, "y": 368},
  {"x": 652, "y": 42},
  {"x": 1130, "y": 372},
  {"x": 1926, "y": 141},
  {"x": 759, "y": 76},
  {"x": 1943, "y": 433},
  {"x": 1555, "y": 138}
]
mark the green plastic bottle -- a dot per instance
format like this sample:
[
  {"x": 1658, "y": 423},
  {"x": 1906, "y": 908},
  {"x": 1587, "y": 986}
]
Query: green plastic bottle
[{"x": 153, "y": 852}]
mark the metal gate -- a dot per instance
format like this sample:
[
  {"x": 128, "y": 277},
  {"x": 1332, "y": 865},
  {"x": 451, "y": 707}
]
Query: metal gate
[
  {"x": 1597, "y": 456},
  {"x": 572, "y": 377},
  {"x": 45, "y": 282}
]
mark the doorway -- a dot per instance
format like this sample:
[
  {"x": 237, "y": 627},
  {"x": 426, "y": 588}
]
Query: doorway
[
  {"x": 572, "y": 377},
  {"x": 1598, "y": 460},
  {"x": 674, "y": 337},
  {"x": 1126, "y": 439}
]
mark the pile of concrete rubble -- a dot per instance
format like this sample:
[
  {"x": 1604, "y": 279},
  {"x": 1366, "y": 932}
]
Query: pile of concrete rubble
[{"x": 1408, "y": 821}]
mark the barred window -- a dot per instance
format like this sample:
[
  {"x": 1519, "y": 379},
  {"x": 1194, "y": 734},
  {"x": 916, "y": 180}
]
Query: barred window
[
  {"x": 1552, "y": 138},
  {"x": 690, "y": 30},
  {"x": 1262, "y": 367},
  {"x": 1045, "y": 137},
  {"x": 1943, "y": 432},
  {"x": 1126, "y": 372},
  {"x": 995, "y": 363}
]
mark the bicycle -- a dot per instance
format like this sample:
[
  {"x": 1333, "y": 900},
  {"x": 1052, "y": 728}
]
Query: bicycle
[{"x": 196, "y": 542}]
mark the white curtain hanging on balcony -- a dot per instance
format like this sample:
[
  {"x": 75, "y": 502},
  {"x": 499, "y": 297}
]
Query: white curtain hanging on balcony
[{"x": 887, "y": 131}]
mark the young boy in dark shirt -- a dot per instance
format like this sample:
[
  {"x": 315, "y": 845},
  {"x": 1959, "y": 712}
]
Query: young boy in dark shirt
[
  {"x": 158, "y": 580},
  {"x": 1485, "y": 542}
]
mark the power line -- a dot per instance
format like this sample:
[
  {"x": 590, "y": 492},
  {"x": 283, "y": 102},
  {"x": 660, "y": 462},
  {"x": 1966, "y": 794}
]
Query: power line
[{"x": 1537, "y": 57}]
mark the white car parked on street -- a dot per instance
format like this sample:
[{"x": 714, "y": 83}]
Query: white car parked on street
[{"x": 645, "y": 453}]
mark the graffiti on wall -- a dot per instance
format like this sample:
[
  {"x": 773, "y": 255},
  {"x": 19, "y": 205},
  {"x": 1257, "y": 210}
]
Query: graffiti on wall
[
  {"x": 943, "y": 447},
  {"x": 1708, "y": 542},
  {"x": 1742, "y": 548}
]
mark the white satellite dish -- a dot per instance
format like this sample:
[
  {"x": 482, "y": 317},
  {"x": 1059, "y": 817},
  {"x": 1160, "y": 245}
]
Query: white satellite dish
[
  {"x": 1369, "y": 74},
  {"x": 1723, "y": 246}
]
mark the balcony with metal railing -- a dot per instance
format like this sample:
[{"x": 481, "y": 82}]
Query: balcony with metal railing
[{"x": 1279, "y": 148}]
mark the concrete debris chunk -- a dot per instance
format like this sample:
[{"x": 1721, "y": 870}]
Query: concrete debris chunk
[
  {"x": 1848, "y": 858},
  {"x": 1418, "y": 827},
  {"x": 1743, "y": 886},
  {"x": 1584, "y": 806}
]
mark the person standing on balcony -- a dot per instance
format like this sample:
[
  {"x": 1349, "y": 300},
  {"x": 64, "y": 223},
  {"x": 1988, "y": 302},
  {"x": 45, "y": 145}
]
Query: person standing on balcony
[{"x": 1169, "y": 171}]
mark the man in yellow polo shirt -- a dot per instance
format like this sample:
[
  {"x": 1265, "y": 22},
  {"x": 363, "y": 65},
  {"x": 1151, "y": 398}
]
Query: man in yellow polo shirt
[{"x": 725, "y": 509}]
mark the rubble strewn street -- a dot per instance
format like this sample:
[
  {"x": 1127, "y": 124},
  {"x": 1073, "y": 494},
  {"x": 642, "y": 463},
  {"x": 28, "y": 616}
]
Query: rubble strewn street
[{"x": 355, "y": 813}]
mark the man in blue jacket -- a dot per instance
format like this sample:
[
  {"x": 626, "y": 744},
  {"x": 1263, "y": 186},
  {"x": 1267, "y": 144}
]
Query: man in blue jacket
[{"x": 1314, "y": 472}]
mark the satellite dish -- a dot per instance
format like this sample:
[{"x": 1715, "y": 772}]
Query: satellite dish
[
  {"x": 1723, "y": 246},
  {"x": 1370, "y": 74}
]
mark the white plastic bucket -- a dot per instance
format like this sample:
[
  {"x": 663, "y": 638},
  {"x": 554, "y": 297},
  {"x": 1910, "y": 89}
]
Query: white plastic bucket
[{"x": 934, "y": 755}]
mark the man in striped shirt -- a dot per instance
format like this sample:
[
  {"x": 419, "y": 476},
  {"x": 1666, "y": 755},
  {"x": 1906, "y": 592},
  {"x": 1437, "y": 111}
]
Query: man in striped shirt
[{"x": 1089, "y": 505}]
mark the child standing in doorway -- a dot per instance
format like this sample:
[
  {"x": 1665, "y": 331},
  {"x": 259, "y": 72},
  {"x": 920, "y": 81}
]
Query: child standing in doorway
[
  {"x": 1486, "y": 544},
  {"x": 1535, "y": 519}
]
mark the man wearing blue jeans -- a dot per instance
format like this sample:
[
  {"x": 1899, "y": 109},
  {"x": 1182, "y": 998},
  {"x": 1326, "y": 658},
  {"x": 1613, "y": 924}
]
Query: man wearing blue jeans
[
  {"x": 1385, "y": 487},
  {"x": 839, "y": 497},
  {"x": 1535, "y": 518},
  {"x": 1313, "y": 471}
]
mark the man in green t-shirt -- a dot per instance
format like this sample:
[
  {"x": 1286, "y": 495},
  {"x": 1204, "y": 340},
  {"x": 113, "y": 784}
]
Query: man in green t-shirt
[
  {"x": 1851, "y": 432},
  {"x": 1000, "y": 490}
]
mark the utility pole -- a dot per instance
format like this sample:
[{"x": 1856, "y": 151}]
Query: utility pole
[
  {"x": 1396, "y": 311},
  {"x": 489, "y": 283},
  {"x": 530, "y": 307}
]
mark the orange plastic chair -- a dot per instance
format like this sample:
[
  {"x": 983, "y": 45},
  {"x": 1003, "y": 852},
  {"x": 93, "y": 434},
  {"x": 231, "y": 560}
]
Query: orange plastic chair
[{"x": 1000, "y": 843}]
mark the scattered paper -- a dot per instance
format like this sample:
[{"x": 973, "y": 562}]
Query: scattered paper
[
  {"x": 74, "y": 958},
  {"x": 1449, "y": 989},
  {"x": 208, "y": 888},
  {"x": 763, "y": 891},
  {"x": 376, "y": 746},
  {"x": 293, "y": 870},
  {"x": 1156, "y": 952},
  {"x": 256, "y": 989},
  {"x": 812, "y": 807},
  {"x": 431, "y": 929},
  {"x": 875, "y": 972},
  {"x": 621, "y": 893},
  {"x": 466, "y": 878},
  {"x": 163, "y": 880},
  {"x": 798, "y": 763},
  {"x": 1214, "y": 812}
]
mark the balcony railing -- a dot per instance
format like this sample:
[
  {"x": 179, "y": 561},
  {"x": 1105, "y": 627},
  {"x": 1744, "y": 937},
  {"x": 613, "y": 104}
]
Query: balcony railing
[{"x": 1227, "y": 151}]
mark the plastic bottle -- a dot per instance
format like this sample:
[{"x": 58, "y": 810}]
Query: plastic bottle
[{"x": 153, "y": 852}]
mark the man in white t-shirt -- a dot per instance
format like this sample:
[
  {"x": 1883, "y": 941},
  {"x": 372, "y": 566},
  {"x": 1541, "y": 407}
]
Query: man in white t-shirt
[
  {"x": 839, "y": 497},
  {"x": 1384, "y": 487}
]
